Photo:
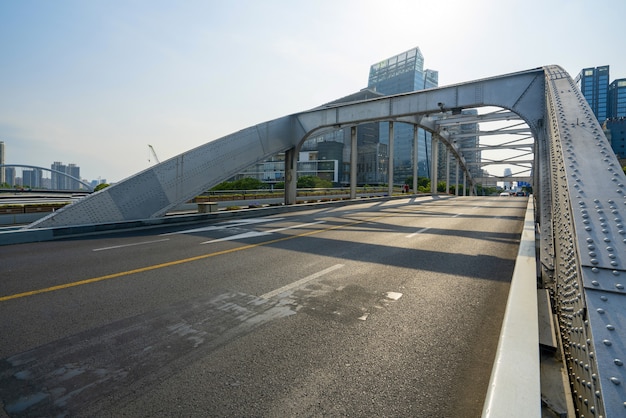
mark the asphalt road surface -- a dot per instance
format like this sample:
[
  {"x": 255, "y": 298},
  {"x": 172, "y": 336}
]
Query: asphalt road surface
[{"x": 371, "y": 309}]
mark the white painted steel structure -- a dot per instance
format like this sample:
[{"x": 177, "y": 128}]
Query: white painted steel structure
[{"x": 578, "y": 184}]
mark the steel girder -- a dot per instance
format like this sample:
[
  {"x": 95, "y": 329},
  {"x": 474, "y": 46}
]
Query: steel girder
[{"x": 584, "y": 200}]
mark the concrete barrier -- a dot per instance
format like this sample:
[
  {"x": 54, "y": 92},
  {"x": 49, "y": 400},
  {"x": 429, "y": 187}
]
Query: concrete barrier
[
  {"x": 515, "y": 384},
  {"x": 207, "y": 207}
]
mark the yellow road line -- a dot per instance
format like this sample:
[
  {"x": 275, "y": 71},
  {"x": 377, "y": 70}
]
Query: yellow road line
[{"x": 175, "y": 262}]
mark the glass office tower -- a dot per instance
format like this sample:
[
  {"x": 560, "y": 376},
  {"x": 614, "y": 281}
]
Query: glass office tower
[
  {"x": 617, "y": 98},
  {"x": 404, "y": 73},
  {"x": 594, "y": 85}
]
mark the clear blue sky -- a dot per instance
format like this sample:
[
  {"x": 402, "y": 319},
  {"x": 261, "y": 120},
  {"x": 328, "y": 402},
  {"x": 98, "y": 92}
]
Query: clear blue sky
[{"x": 93, "y": 82}]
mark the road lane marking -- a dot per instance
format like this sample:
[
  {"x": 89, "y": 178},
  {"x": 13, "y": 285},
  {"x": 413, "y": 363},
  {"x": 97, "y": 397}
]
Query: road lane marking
[
  {"x": 260, "y": 233},
  {"x": 189, "y": 260},
  {"x": 224, "y": 225},
  {"x": 419, "y": 231},
  {"x": 130, "y": 245},
  {"x": 300, "y": 282},
  {"x": 182, "y": 261}
]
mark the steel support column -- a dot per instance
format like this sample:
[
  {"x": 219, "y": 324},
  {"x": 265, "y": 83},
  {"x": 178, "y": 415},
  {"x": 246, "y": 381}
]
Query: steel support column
[
  {"x": 435, "y": 165},
  {"x": 291, "y": 176},
  {"x": 415, "y": 158},
  {"x": 390, "y": 167},
  {"x": 353, "y": 161},
  {"x": 456, "y": 182},
  {"x": 447, "y": 171}
]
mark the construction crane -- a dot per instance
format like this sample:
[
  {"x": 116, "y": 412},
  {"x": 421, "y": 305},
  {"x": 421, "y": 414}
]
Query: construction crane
[{"x": 153, "y": 152}]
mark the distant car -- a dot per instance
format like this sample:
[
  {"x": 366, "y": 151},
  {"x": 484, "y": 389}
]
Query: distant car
[
  {"x": 520, "y": 194},
  {"x": 505, "y": 194}
]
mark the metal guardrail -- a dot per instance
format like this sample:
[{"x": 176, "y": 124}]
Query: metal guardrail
[{"x": 515, "y": 384}]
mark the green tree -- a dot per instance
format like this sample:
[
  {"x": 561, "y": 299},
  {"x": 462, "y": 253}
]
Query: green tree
[
  {"x": 100, "y": 186},
  {"x": 246, "y": 183},
  {"x": 310, "y": 182},
  {"x": 422, "y": 182}
]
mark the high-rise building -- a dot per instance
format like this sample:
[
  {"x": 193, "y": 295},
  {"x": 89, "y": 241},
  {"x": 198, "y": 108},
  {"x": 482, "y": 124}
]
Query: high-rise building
[
  {"x": 608, "y": 103},
  {"x": 466, "y": 137},
  {"x": 10, "y": 176},
  {"x": 594, "y": 85},
  {"x": 615, "y": 131},
  {"x": 3, "y": 178},
  {"x": 32, "y": 178},
  {"x": 404, "y": 73},
  {"x": 74, "y": 171},
  {"x": 617, "y": 99},
  {"x": 59, "y": 181}
]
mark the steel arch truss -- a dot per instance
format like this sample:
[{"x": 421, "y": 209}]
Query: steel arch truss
[{"x": 577, "y": 181}]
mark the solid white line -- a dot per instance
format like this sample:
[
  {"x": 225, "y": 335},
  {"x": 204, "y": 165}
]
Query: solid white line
[
  {"x": 300, "y": 282},
  {"x": 295, "y": 226},
  {"x": 259, "y": 233},
  {"x": 417, "y": 232},
  {"x": 130, "y": 245},
  {"x": 224, "y": 225}
]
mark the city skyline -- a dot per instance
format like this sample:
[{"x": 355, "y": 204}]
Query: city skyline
[{"x": 96, "y": 82}]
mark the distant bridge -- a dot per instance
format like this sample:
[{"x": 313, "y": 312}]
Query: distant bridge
[
  {"x": 60, "y": 173},
  {"x": 578, "y": 186}
]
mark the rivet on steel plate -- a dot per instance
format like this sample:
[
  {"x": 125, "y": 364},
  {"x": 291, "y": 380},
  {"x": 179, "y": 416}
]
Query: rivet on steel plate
[
  {"x": 600, "y": 311},
  {"x": 595, "y": 283},
  {"x": 615, "y": 272},
  {"x": 615, "y": 380},
  {"x": 619, "y": 286},
  {"x": 608, "y": 343},
  {"x": 618, "y": 362},
  {"x": 610, "y": 327}
]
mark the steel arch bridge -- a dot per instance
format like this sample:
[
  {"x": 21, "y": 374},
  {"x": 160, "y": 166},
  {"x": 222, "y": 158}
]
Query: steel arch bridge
[
  {"x": 60, "y": 173},
  {"x": 579, "y": 193}
]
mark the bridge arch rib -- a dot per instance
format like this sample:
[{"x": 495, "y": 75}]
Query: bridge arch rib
[{"x": 154, "y": 191}]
